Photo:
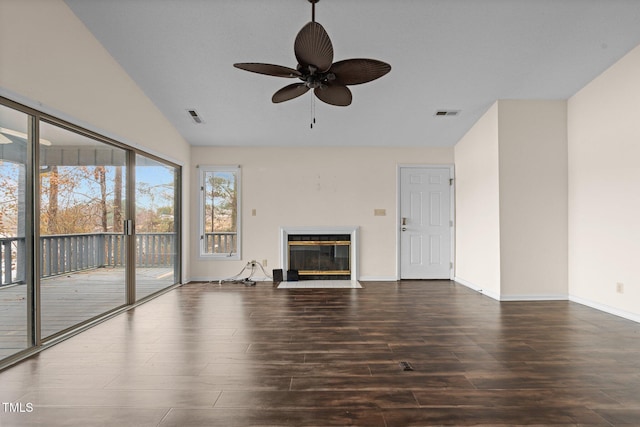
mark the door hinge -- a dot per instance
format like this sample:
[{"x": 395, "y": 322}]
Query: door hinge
[
  {"x": 451, "y": 265},
  {"x": 450, "y": 223}
]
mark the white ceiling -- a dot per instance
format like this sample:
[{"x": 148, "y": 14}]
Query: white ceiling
[{"x": 445, "y": 54}]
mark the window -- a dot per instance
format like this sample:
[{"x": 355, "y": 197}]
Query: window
[{"x": 220, "y": 212}]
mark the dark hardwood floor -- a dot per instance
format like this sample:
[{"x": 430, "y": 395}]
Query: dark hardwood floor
[{"x": 210, "y": 355}]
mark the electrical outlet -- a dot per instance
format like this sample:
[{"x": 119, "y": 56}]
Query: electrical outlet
[
  {"x": 264, "y": 262},
  {"x": 620, "y": 288}
]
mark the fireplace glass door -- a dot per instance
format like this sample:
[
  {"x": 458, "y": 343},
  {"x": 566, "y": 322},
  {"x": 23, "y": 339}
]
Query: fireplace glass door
[{"x": 316, "y": 257}]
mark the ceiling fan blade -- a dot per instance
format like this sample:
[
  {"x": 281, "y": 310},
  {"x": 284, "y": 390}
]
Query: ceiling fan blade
[
  {"x": 313, "y": 47},
  {"x": 334, "y": 94},
  {"x": 358, "y": 71},
  {"x": 268, "y": 69},
  {"x": 289, "y": 92}
]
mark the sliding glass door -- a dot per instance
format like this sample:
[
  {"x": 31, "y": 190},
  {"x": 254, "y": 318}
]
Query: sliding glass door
[
  {"x": 156, "y": 225},
  {"x": 14, "y": 289},
  {"x": 83, "y": 251},
  {"x": 88, "y": 226}
]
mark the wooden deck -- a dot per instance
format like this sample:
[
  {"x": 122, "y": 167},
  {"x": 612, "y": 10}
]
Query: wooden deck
[
  {"x": 70, "y": 299},
  {"x": 235, "y": 355}
]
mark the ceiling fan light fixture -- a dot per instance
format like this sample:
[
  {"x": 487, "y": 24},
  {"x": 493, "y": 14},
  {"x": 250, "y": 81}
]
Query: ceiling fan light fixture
[{"x": 314, "y": 52}]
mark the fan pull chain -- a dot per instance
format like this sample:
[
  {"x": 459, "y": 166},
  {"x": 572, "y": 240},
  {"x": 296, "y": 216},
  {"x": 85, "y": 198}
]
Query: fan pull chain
[{"x": 313, "y": 111}]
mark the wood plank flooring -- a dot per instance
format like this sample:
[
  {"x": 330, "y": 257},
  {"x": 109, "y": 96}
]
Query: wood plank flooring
[{"x": 230, "y": 355}]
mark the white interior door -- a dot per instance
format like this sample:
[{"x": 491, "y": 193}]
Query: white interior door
[{"x": 425, "y": 223}]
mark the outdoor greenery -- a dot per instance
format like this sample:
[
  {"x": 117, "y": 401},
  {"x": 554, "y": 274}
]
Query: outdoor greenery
[
  {"x": 221, "y": 202},
  {"x": 84, "y": 199}
]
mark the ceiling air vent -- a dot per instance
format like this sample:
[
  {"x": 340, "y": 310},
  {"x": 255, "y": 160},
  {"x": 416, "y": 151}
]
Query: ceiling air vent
[
  {"x": 194, "y": 115},
  {"x": 447, "y": 113}
]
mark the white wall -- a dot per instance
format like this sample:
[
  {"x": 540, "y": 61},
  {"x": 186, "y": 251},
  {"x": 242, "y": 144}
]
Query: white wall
[
  {"x": 533, "y": 199},
  {"x": 511, "y": 202},
  {"x": 477, "y": 206},
  {"x": 313, "y": 187},
  {"x": 51, "y": 62},
  {"x": 604, "y": 189}
]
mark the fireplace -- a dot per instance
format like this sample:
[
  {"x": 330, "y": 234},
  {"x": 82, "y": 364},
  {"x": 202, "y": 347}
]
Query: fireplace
[
  {"x": 319, "y": 253},
  {"x": 320, "y": 256}
]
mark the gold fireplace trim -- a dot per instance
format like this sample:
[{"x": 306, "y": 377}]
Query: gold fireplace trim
[
  {"x": 320, "y": 243},
  {"x": 325, "y": 272}
]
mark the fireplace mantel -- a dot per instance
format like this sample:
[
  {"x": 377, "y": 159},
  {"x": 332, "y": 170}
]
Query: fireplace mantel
[{"x": 351, "y": 230}]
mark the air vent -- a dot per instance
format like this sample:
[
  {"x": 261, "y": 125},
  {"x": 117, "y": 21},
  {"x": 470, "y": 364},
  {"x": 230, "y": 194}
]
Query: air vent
[
  {"x": 195, "y": 116},
  {"x": 448, "y": 113}
]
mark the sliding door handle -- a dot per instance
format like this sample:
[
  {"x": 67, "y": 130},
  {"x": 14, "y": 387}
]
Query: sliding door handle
[{"x": 128, "y": 227}]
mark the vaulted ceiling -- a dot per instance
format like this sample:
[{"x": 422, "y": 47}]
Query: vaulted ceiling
[{"x": 457, "y": 55}]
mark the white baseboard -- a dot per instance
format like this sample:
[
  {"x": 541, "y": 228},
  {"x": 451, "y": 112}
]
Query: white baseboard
[
  {"x": 500, "y": 297},
  {"x": 378, "y": 278},
  {"x": 595, "y": 305},
  {"x": 606, "y": 308},
  {"x": 534, "y": 297},
  {"x": 477, "y": 288}
]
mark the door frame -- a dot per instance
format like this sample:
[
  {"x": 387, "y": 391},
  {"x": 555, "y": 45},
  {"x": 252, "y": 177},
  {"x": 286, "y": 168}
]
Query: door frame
[{"x": 452, "y": 217}]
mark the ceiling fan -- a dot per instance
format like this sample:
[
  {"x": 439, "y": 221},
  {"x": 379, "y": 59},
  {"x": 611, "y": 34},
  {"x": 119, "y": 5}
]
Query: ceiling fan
[{"x": 316, "y": 69}]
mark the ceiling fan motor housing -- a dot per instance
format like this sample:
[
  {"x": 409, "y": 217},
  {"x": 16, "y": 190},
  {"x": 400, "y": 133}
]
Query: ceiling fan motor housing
[{"x": 313, "y": 80}]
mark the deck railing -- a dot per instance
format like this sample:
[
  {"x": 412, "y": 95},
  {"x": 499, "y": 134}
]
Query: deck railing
[
  {"x": 220, "y": 242},
  {"x": 67, "y": 253},
  {"x": 11, "y": 260}
]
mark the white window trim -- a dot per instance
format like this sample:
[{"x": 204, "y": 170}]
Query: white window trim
[{"x": 202, "y": 254}]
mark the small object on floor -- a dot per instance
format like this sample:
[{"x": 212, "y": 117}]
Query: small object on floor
[
  {"x": 406, "y": 366},
  {"x": 248, "y": 282},
  {"x": 278, "y": 275},
  {"x": 292, "y": 275}
]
